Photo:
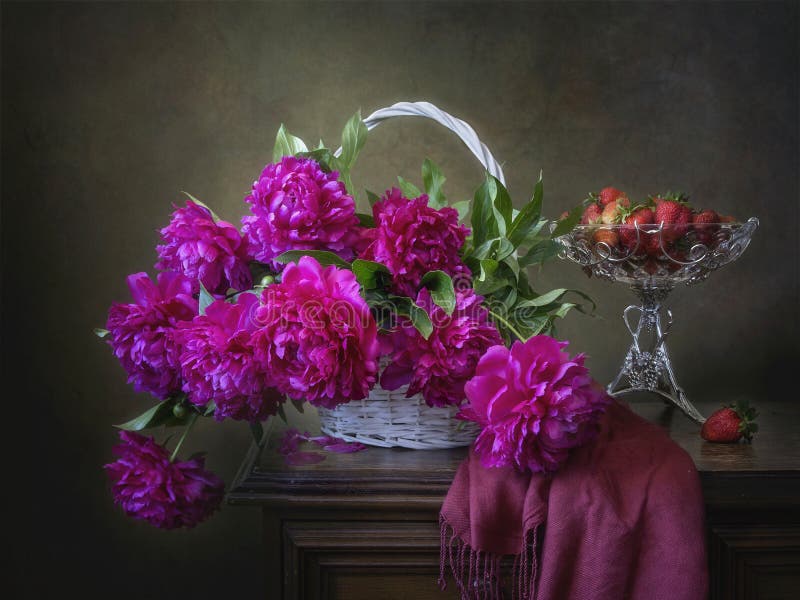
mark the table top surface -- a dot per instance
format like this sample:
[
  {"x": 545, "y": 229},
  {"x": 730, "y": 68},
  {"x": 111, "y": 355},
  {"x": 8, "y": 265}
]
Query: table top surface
[{"x": 774, "y": 453}]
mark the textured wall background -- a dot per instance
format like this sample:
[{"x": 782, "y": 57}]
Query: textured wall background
[{"x": 110, "y": 109}]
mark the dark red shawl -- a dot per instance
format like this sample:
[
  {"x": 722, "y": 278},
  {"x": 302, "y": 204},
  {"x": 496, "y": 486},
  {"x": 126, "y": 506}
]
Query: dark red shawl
[{"x": 623, "y": 518}]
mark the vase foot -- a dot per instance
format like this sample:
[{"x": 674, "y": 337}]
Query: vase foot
[{"x": 651, "y": 370}]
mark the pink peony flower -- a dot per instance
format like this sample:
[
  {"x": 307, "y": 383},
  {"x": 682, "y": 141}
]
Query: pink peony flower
[
  {"x": 298, "y": 206},
  {"x": 204, "y": 250},
  {"x": 410, "y": 238},
  {"x": 141, "y": 333},
  {"x": 440, "y": 366},
  {"x": 534, "y": 403},
  {"x": 218, "y": 364},
  {"x": 165, "y": 494},
  {"x": 317, "y": 337}
]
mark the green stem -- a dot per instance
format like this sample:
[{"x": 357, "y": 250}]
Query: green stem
[
  {"x": 520, "y": 337},
  {"x": 186, "y": 431}
]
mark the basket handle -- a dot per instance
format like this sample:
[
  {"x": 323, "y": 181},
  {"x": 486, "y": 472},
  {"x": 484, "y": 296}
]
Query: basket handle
[{"x": 460, "y": 128}]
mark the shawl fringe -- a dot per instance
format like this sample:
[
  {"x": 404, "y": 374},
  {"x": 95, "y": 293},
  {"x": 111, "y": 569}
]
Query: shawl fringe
[{"x": 478, "y": 573}]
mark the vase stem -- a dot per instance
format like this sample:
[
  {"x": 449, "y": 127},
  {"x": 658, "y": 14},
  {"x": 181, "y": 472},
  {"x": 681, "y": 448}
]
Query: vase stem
[{"x": 647, "y": 366}]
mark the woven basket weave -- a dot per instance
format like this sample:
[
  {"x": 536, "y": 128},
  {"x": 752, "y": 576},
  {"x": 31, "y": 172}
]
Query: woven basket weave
[{"x": 387, "y": 418}]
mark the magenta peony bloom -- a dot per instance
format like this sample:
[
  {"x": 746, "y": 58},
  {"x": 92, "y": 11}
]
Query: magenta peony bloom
[
  {"x": 204, "y": 249},
  {"x": 141, "y": 333},
  {"x": 298, "y": 206},
  {"x": 440, "y": 366},
  {"x": 317, "y": 336},
  {"x": 410, "y": 238},
  {"x": 534, "y": 403},
  {"x": 218, "y": 363},
  {"x": 168, "y": 495}
]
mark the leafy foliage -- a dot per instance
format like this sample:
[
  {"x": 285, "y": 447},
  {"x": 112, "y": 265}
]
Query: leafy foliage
[
  {"x": 163, "y": 413},
  {"x": 504, "y": 242}
]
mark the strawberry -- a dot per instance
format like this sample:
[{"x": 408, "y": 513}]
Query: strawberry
[
  {"x": 607, "y": 236},
  {"x": 591, "y": 214},
  {"x": 674, "y": 212},
  {"x": 609, "y": 194},
  {"x": 727, "y": 219},
  {"x": 731, "y": 423},
  {"x": 651, "y": 243},
  {"x": 611, "y": 211},
  {"x": 705, "y": 224},
  {"x": 639, "y": 215}
]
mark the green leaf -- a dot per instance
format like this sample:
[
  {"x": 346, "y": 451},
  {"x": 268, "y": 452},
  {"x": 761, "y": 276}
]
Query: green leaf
[
  {"x": 433, "y": 181},
  {"x": 406, "y": 307},
  {"x": 510, "y": 298},
  {"x": 512, "y": 264},
  {"x": 354, "y": 136},
  {"x": 540, "y": 252},
  {"x": 282, "y": 414},
  {"x": 409, "y": 189},
  {"x": 462, "y": 206},
  {"x": 323, "y": 257},
  {"x": 550, "y": 301},
  {"x": 327, "y": 161},
  {"x": 101, "y": 333},
  {"x": 160, "y": 414},
  {"x": 563, "y": 310},
  {"x": 504, "y": 249},
  {"x": 205, "y": 300},
  {"x": 495, "y": 248},
  {"x": 483, "y": 221},
  {"x": 298, "y": 405},
  {"x": 210, "y": 408},
  {"x": 365, "y": 220},
  {"x": 440, "y": 285},
  {"x": 568, "y": 223},
  {"x": 543, "y": 299},
  {"x": 368, "y": 273},
  {"x": 286, "y": 145},
  {"x": 372, "y": 197},
  {"x": 421, "y": 320},
  {"x": 493, "y": 276},
  {"x": 533, "y": 237},
  {"x": 488, "y": 268},
  {"x": 536, "y": 325},
  {"x": 486, "y": 249},
  {"x": 502, "y": 207},
  {"x": 196, "y": 201},
  {"x": 258, "y": 432},
  {"x": 528, "y": 217}
]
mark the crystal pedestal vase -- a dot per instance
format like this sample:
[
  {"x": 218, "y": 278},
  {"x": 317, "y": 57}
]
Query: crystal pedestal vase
[{"x": 652, "y": 260}]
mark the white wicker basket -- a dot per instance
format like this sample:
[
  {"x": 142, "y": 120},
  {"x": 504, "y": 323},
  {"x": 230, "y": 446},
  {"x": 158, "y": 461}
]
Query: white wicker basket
[{"x": 387, "y": 418}]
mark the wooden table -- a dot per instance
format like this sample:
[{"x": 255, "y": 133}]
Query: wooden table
[{"x": 364, "y": 525}]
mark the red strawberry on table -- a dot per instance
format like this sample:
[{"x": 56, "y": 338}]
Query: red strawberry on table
[
  {"x": 610, "y": 194},
  {"x": 674, "y": 212},
  {"x": 731, "y": 423}
]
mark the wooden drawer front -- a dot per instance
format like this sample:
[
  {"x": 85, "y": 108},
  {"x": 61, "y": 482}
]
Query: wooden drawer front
[
  {"x": 754, "y": 562},
  {"x": 362, "y": 561}
]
